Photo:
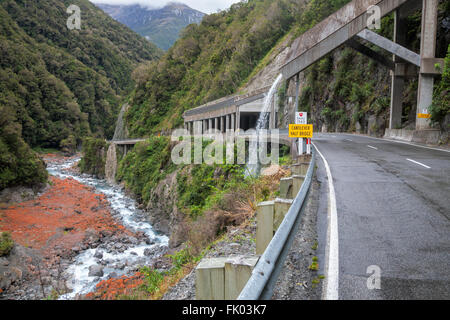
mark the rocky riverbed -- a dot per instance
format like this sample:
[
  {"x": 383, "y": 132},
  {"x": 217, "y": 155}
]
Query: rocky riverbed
[{"x": 76, "y": 233}]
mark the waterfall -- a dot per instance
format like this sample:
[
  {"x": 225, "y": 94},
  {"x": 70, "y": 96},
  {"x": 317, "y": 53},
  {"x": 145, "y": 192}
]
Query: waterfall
[
  {"x": 262, "y": 123},
  {"x": 121, "y": 131},
  {"x": 111, "y": 164}
]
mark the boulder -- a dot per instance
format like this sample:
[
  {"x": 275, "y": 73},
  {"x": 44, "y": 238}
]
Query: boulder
[{"x": 95, "y": 271}]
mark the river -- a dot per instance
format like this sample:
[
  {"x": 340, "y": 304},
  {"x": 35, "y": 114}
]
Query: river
[{"x": 115, "y": 259}]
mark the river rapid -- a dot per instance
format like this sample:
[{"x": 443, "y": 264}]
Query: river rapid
[{"x": 113, "y": 258}]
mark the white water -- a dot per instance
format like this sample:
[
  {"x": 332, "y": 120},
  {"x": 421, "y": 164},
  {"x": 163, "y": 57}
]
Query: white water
[
  {"x": 253, "y": 164},
  {"x": 131, "y": 217}
]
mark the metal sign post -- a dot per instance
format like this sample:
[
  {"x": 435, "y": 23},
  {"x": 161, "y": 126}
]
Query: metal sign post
[{"x": 301, "y": 118}]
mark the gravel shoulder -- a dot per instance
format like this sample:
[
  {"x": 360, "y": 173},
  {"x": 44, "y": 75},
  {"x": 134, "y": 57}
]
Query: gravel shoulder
[{"x": 299, "y": 279}]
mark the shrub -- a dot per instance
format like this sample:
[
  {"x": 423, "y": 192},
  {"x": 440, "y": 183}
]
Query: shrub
[
  {"x": 6, "y": 243},
  {"x": 153, "y": 279},
  {"x": 441, "y": 98},
  {"x": 94, "y": 157}
]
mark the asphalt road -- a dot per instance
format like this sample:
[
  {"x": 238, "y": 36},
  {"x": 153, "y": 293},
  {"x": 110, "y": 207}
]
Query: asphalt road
[{"x": 393, "y": 211}]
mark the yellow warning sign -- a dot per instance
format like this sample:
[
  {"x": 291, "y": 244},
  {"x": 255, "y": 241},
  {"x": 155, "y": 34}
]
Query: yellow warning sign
[
  {"x": 424, "y": 115},
  {"x": 300, "y": 131}
]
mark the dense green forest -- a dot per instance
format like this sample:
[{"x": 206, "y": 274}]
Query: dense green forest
[{"x": 57, "y": 85}]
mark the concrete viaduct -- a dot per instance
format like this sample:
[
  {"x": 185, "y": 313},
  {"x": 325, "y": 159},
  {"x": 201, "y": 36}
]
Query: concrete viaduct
[{"x": 347, "y": 26}]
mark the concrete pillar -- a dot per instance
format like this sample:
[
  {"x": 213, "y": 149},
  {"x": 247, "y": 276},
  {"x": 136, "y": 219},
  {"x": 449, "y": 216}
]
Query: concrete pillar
[
  {"x": 238, "y": 120},
  {"x": 222, "y": 124},
  {"x": 397, "y": 82},
  {"x": 427, "y": 50},
  {"x": 216, "y": 123},
  {"x": 210, "y": 124},
  {"x": 205, "y": 126},
  {"x": 233, "y": 121},
  {"x": 227, "y": 122}
]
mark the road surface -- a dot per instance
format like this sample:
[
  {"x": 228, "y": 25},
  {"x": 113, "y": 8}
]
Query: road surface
[{"x": 392, "y": 210}]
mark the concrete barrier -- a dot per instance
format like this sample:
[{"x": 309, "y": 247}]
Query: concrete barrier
[
  {"x": 297, "y": 181},
  {"x": 264, "y": 227},
  {"x": 286, "y": 188},
  {"x": 210, "y": 279},
  {"x": 237, "y": 272},
  {"x": 223, "y": 278},
  {"x": 281, "y": 207},
  {"x": 269, "y": 215},
  {"x": 300, "y": 168}
]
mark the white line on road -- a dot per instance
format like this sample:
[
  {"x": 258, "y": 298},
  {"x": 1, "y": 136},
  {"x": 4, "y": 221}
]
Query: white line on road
[
  {"x": 331, "y": 284},
  {"x": 372, "y": 147},
  {"x": 348, "y": 140},
  {"x": 420, "y": 164},
  {"x": 397, "y": 141}
]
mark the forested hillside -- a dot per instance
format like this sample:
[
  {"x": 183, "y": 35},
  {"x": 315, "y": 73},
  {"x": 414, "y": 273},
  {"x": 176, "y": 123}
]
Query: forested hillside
[
  {"x": 220, "y": 56},
  {"x": 59, "y": 85}
]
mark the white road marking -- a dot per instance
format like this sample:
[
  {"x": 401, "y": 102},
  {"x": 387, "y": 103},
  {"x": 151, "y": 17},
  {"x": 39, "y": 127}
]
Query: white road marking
[
  {"x": 331, "y": 283},
  {"x": 372, "y": 147},
  {"x": 402, "y": 142},
  {"x": 348, "y": 140},
  {"x": 420, "y": 164}
]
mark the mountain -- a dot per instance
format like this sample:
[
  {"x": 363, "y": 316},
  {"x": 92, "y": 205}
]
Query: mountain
[
  {"x": 161, "y": 26},
  {"x": 58, "y": 86}
]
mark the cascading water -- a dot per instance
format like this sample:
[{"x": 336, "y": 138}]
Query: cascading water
[{"x": 253, "y": 164}]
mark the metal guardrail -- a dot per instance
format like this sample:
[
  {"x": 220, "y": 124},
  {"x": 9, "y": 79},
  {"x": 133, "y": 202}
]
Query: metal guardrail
[{"x": 265, "y": 274}]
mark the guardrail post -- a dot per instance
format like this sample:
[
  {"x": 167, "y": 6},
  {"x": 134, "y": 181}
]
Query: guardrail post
[
  {"x": 210, "y": 279},
  {"x": 300, "y": 168},
  {"x": 264, "y": 227},
  {"x": 237, "y": 272},
  {"x": 297, "y": 181},
  {"x": 286, "y": 188},
  {"x": 281, "y": 207}
]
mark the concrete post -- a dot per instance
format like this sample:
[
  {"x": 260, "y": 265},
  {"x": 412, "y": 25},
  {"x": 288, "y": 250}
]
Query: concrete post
[
  {"x": 264, "y": 227},
  {"x": 297, "y": 181},
  {"x": 237, "y": 273},
  {"x": 397, "y": 82},
  {"x": 286, "y": 188},
  {"x": 427, "y": 50},
  {"x": 300, "y": 168},
  {"x": 210, "y": 279},
  {"x": 233, "y": 122},
  {"x": 222, "y": 124},
  {"x": 210, "y": 124},
  {"x": 216, "y": 123},
  {"x": 238, "y": 120},
  {"x": 281, "y": 207},
  {"x": 227, "y": 122}
]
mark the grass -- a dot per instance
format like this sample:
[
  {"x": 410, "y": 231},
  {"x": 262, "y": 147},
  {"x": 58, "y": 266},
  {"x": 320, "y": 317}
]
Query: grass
[
  {"x": 6, "y": 243},
  {"x": 314, "y": 264}
]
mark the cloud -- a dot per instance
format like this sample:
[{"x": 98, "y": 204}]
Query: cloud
[{"x": 206, "y": 6}]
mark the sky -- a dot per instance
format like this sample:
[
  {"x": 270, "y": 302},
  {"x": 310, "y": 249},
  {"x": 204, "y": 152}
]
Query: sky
[{"x": 206, "y": 6}]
